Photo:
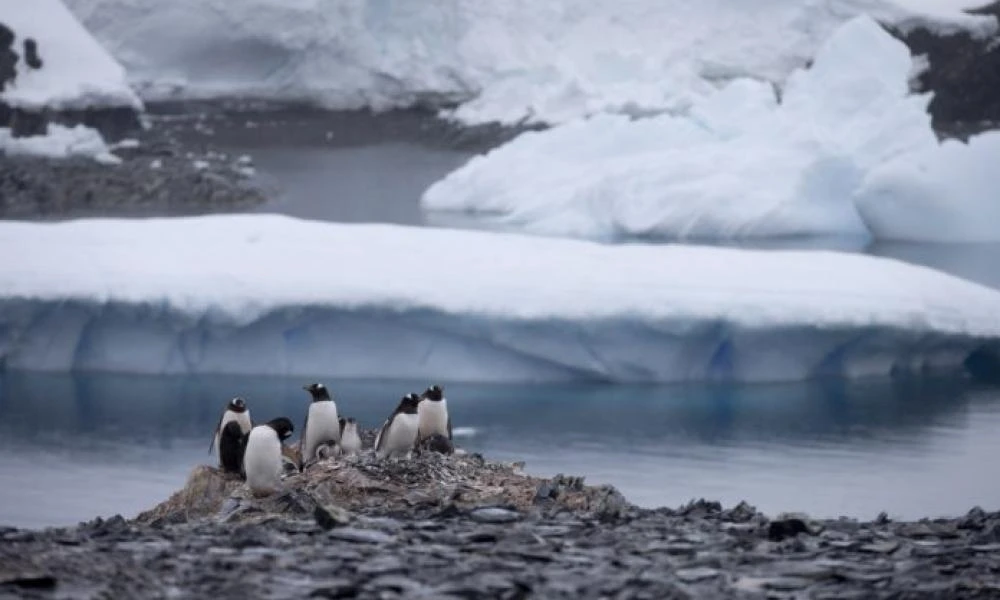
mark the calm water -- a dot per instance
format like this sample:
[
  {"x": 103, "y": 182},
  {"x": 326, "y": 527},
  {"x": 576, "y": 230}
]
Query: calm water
[
  {"x": 72, "y": 447},
  {"x": 75, "y": 447}
]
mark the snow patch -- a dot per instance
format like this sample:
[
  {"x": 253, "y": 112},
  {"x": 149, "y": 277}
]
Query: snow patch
[
  {"x": 739, "y": 164},
  {"x": 509, "y": 61},
  {"x": 76, "y": 73},
  {"x": 266, "y": 294},
  {"x": 59, "y": 142},
  {"x": 947, "y": 193}
]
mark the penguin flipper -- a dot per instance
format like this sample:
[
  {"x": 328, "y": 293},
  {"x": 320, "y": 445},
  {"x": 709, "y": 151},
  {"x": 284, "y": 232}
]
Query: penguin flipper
[
  {"x": 218, "y": 430},
  {"x": 381, "y": 433},
  {"x": 449, "y": 427},
  {"x": 302, "y": 443}
]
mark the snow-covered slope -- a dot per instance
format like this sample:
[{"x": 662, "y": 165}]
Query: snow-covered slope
[
  {"x": 828, "y": 159},
  {"x": 273, "y": 295},
  {"x": 60, "y": 142},
  {"x": 76, "y": 71},
  {"x": 506, "y": 60}
]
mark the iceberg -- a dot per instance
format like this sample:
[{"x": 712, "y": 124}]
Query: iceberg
[
  {"x": 77, "y": 73},
  {"x": 841, "y": 153},
  {"x": 273, "y": 295},
  {"x": 512, "y": 61}
]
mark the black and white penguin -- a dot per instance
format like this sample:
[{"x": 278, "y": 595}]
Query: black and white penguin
[
  {"x": 236, "y": 411},
  {"x": 399, "y": 433},
  {"x": 262, "y": 460},
  {"x": 321, "y": 425},
  {"x": 350, "y": 439},
  {"x": 232, "y": 443},
  {"x": 433, "y": 413}
]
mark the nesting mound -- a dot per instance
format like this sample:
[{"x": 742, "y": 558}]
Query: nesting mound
[{"x": 429, "y": 484}]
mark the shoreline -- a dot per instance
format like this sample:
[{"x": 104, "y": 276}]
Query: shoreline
[{"x": 462, "y": 527}]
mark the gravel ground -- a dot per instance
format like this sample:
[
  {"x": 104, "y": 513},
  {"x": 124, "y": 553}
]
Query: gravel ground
[{"x": 461, "y": 527}]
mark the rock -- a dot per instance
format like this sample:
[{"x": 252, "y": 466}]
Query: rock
[
  {"x": 880, "y": 547},
  {"x": 364, "y": 536},
  {"x": 786, "y": 528},
  {"x": 329, "y": 517},
  {"x": 696, "y": 574},
  {"x": 494, "y": 514}
]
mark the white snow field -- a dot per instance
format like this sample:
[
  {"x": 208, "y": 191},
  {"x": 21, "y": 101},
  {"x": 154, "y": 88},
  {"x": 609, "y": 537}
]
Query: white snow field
[
  {"x": 507, "y": 61},
  {"x": 847, "y": 151},
  {"x": 266, "y": 294},
  {"x": 76, "y": 71}
]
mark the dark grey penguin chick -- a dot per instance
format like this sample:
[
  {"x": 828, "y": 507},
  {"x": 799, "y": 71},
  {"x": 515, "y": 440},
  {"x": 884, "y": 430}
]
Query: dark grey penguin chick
[
  {"x": 31, "y": 57},
  {"x": 232, "y": 444}
]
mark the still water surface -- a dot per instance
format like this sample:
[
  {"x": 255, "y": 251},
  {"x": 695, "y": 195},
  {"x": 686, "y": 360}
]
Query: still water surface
[{"x": 72, "y": 447}]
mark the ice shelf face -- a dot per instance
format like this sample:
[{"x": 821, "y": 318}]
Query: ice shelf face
[
  {"x": 847, "y": 151},
  {"x": 510, "y": 61},
  {"x": 266, "y": 294},
  {"x": 76, "y": 71}
]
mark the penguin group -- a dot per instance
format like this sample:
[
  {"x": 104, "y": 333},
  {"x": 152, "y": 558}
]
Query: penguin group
[{"x": 257, "y": 452}]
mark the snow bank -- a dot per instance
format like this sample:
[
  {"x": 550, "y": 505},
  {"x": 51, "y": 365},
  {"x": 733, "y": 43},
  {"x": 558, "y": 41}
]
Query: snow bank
[
  {"x": 76, "y": 71},
  {"x": 267, "y": 294},
  {"x": 740, "y": 164},
  {"x": 60, "y": 142},
  {"x": 504, "y": 61}
]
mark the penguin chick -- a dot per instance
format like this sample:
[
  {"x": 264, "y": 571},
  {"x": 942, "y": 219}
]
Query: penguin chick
[
  {"x": 31, "y": 57},
  {"x": 399, "y": 433},
  {"x": 262, "y": 460},
  {"x": 350, "y": 439},
  {"x": 433, "y": 413},
  {"x": 321, "y": 424},
  {"x": 236, "y": 410},
  {"x": 231, "y": 447}
]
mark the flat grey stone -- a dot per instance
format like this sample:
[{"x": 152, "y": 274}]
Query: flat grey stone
[
  {"x": 696, "y": 574},
  {"x": 366, "y": 536}
]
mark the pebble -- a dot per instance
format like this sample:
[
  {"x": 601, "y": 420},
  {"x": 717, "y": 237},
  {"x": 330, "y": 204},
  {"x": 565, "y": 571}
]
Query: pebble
[
  {"x": 366, "y": 536},
  {"x": 494, "y": 515}
]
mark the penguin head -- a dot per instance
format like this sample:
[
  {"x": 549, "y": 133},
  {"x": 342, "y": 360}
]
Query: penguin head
[
  {"x": 318, "y": 391},
  {"x": 344, "y": 422},
  {"x": 409, "y": 403},
  {"x": 282, "y": 426},
  {"x": 238, "y": 405},
  {"x": 435, "y": 393}
]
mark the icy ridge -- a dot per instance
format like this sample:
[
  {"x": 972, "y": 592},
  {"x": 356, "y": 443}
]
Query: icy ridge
[
  {"x": 511, "y": 61},
  {"x": 273, "y": 295},
  {"x": 847, "y": 150}
]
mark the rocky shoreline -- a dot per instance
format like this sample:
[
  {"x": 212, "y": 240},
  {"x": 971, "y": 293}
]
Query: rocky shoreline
[{"x": 459, "y": 526}]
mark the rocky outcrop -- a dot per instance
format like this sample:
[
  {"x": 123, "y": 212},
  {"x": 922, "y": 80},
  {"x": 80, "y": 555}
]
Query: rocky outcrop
[
  {"x": 460, "y": 527},
  {"x": 963, "y": 72}
]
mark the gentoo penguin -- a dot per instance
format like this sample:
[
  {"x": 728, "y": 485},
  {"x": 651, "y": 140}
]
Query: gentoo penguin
[
  {"x": 399, "y": 433},
  {"x": 236, "y": 411},
  {"x": 321, "y": 424},
  {"x": 350, "y": 441},
  {"x": 262, "y": 460},
  {"x": 433, "y": 413},
  {"x": 232, "y": 440}
]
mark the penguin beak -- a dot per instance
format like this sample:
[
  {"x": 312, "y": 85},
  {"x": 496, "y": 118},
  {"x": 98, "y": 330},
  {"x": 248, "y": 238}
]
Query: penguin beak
[{"x": 306, "y": 388}]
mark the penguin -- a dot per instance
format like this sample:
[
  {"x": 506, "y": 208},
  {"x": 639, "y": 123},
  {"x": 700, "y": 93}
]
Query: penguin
[
  {"x": 398, "y": 435},
  {"x": 232, "y": 442},
  {"x": 321, "y": 425},
  {"x": 433, "y": 413},
  {"x": 262, "y": 460},
  {"x": 31, "y": 57},
  {"x": 236, "y": 411},
  {"x": 350, "y": 440}
]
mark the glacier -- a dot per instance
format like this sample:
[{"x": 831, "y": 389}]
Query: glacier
[
  {"x": 77, "y": 72},
  {"x": 516, "y": 61},
  {"x": 847, "y": 150},
  {"x": 273, "y": 295}
]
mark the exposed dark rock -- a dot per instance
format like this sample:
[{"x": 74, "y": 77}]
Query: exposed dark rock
[
  {"x": 786, "y": 528},
  {"x": 963, "y": 73}
]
